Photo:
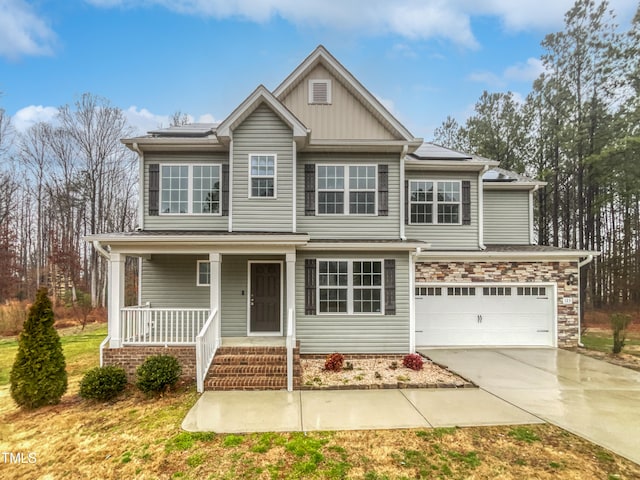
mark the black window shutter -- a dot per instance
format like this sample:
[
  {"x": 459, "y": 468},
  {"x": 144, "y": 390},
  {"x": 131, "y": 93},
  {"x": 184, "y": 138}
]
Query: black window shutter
[
  {"x": 310, "y": 189},
  {"x": 406, "y": 202},
  {"x": 466, "y": 202},
  {"x": 383, "y": 190},
  {"x": 310, "y": 286},
  {"x": 154, "y": 188},
  {"x": 389, "y": 287},
  {"x": 225, "y": 190}
]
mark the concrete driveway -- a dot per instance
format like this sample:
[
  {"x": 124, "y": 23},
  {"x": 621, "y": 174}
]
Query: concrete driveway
[{"x": 591, "y": 398}]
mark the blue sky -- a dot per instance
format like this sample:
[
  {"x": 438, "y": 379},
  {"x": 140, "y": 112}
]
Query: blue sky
[{"x": 424, "y": 59}]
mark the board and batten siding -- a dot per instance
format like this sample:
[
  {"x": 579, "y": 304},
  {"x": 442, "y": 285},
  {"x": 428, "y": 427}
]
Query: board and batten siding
[
  {"x": 181, "y": 221},
  {"x": 449, "y": 237},
  {"x": 506, "y": 217},
  {"x": 350, "y": 226},
  {"x": 169, "y": 281},
  {"x": 263, "y": 132},
  {"x": 354, "y": 333},
  {"x": 344, "y": 118}
]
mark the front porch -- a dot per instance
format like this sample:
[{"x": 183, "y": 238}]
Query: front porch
[
  {"x": 206, "y": 299},
  {"x": 216, "y": 362}
]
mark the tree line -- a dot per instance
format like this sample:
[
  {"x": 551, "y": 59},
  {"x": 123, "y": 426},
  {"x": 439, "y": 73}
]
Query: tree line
[
  {"x": 579, "y": 131},
  {"x": 59, "y": 181}
]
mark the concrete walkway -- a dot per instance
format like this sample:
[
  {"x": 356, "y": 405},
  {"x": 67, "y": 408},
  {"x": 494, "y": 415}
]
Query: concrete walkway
[
  {"x": 589, "y": 397},
  {"x": 280, "y": 411}
]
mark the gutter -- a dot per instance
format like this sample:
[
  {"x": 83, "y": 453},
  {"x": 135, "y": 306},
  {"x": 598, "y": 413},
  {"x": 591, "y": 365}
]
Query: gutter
[
  {"x": 581, "y": 264},
  {"x": 101, "y": 250}
]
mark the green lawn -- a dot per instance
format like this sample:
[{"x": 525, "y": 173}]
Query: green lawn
[
  {"x": 81, "y": 348},
  {"x": 602, "y": 341}
]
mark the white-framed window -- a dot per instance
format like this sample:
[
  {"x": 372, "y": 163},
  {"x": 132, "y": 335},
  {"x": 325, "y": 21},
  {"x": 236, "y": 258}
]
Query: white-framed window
[
  {"x": 350, "y": 286},
  {"x": 461, "y": 291},
  {"x": 346, "y": 190},
  {"x": 320, "y": 92},
  {"x": 203, "y": 273},
  {"x": 190, "y": 189},
  {"x": 435, "y": 202},
  {"x": 262, "y": 175}
]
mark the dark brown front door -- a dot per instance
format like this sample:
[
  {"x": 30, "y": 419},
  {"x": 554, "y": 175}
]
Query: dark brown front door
[{"x": 264, "y": 303}]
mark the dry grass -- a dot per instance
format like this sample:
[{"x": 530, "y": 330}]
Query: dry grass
[{"x": 139, "y": 437}]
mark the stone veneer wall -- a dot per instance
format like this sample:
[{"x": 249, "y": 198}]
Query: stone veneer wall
[
  {"x": 130, "y": 358},
  {"x": 526, "y": 272}
]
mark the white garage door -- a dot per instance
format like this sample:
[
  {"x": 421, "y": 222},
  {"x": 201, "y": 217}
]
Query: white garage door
[{"x": 496, "y": 315}]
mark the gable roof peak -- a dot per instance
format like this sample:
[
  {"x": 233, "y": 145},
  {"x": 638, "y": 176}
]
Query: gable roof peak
[
  {"x": 259, "y": 96},
  {"x": 320, "y": 55}
]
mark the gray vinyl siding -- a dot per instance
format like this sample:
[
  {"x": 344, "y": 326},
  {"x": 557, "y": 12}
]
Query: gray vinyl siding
[
  {"x": 449, "y": 237},
  {"x": 355, "y": 333},
  {"x": 506, "y": 217},
  {"x": 169, "y": 281},
  {"x": 263, "y": 132},
  {"x": 351, "y": 226},
  {"x": 181, "y": 222}
]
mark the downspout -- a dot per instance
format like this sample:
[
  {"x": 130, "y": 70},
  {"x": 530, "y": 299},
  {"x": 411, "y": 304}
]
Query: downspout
[
  {"x": 295, "y": 176},
  {"x": 405, "y": 149},
  {"x": 230, "y": 226},
  {"x": 136, "y": 149},
  {"x": 481, "y": 244},
  {"x": 531, "y": 232},
  {"x": 581, "y": 264}
]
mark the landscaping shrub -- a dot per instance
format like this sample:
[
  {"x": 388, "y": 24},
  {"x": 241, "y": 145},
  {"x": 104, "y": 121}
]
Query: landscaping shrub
[
  {"x": 103, "y": 383},
  {"x": 413, "y": 361},
  {"x": 158, "y": 373},
  {"x": 334, "y": 362},
  {"x": 619, "y": 324},
  {"x": 38, "y": 376}
]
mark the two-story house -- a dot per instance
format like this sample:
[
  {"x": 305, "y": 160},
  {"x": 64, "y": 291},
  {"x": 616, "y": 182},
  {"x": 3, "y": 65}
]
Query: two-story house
[{"x": 311, "y": 216}]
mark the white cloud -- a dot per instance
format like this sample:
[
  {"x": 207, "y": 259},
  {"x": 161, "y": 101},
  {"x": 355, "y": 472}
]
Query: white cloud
[
  {"x": 410, "y": 19},
  {"x": 525, "y": 72},
  {"x": 22, "y": 31},
  {"x": 28, "y": 116},
  {"x": 206, "y": 118},
  {"x": 520, "y": 72},
  {"x": 143, "y": 120}
]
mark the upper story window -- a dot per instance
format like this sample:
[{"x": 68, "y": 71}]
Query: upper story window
[
  {"x": 262, "y": 175},
  {"x": 320, "y": 92},
  {"x": 339, "y": 184},
  {"x": 190, "y": 189},
  {"x": 435, "y": 202}
]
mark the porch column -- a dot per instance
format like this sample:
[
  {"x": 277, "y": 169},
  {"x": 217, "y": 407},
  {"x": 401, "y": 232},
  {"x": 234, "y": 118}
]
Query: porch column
[
  {"x": 291, "y": 287},
  {"x": 116, "y": 297},
  {"x": 215, "y": 259}
]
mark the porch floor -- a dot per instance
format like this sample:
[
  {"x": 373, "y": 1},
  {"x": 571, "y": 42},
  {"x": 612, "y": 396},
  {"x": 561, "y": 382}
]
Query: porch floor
[{"x": 254, "y": 341}]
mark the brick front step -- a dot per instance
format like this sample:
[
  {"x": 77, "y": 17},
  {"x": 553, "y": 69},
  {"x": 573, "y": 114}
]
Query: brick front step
[
  {"x": 252, "y": 368},
  {"x": 247, "y": 383}
]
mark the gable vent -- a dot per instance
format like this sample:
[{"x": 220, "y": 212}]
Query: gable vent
[{"x": 320, "y": 91}]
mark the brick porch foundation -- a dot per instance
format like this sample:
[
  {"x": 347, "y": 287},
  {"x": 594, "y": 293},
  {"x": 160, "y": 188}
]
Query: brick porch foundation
[{"x": 130, "y": 358}]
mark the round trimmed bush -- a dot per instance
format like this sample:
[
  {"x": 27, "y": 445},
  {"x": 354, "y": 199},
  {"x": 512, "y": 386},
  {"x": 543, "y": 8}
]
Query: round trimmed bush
[
  {"x": 158, "y": 373},
  {"x": 103, "y": 383}
]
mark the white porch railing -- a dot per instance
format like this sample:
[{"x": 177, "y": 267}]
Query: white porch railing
[
  {"x": 291, "y": 343},
  {"x": 143, "y": 325},
  {"x": 207, "y": 342}
]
